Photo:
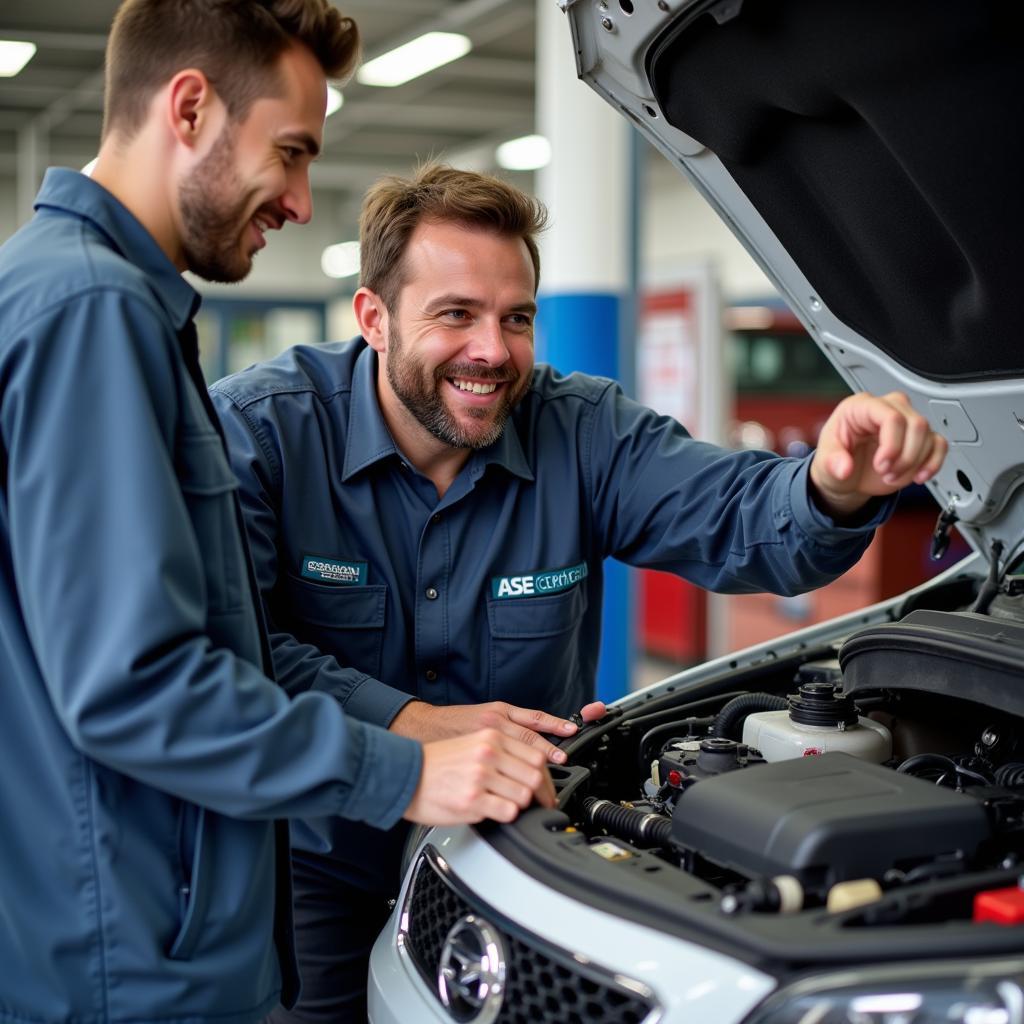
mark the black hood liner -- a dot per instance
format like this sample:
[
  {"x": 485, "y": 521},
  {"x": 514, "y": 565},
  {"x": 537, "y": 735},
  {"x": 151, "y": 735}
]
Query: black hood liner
[{"x": 883, "y": 143}]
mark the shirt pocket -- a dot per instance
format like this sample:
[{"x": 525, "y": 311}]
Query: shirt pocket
[
  {"x": 535, "y": 650},
  {"x": 346, "y": 622},
  {"x": 209, "y": 487}
]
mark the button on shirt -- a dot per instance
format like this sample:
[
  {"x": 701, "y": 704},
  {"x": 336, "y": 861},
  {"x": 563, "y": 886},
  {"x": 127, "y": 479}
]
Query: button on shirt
[{"x": 377, "y": 590}]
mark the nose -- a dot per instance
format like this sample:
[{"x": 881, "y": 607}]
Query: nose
[
  {"x": 297, "y": 201},
  {"x": 488, "y": 342}
]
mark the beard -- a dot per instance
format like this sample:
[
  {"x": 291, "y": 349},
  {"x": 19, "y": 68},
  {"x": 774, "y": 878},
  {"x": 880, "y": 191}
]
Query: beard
[
  {"x": 213, "y": 213},
  {"x": 422, "y": 394}
]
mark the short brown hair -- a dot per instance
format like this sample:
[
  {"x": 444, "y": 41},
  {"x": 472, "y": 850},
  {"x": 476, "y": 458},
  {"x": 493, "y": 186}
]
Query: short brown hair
[
  {"x": 394, "y": 206},
  {"x": 235, "y": 43}
]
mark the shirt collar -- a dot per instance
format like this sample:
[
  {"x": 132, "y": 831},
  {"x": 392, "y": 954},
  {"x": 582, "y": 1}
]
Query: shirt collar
[
  {"x": 369, "y": 439},
  {"x": 64, "y": 189}
]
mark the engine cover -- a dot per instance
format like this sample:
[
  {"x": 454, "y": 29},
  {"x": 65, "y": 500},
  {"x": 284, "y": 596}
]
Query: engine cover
[{"x": 825, "y": 819}]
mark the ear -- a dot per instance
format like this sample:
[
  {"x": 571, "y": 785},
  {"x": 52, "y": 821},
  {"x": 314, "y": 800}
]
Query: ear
[
  {"x": 193, "y": 107},
  {"x": 372, "y": 317}
]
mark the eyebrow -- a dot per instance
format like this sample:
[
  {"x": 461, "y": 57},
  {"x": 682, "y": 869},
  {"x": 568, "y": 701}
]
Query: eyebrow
[{"x": 444, "y": 301}]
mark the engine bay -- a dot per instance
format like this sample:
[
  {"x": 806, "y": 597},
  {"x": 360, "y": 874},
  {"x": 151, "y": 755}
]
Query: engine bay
[{"x": 861, "y": 797}]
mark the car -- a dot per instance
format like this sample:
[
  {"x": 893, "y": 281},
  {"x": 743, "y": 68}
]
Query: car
[{"x": 827, "y": 828}]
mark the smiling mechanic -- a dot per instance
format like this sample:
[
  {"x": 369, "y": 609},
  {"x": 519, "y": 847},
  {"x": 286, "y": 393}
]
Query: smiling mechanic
[{"x": 428, "y": 507}]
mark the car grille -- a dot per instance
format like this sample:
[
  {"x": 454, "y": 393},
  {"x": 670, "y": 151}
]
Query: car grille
[{"x": 544, "y": 985}]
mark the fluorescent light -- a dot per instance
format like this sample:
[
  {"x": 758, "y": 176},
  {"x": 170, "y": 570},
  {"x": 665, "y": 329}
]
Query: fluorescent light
[
  {"x": 524, "y": 154},
  {"x": 414, "y": 59},
  {"x": 14, "y": 56},
  {"x": 90, "y": 166},
  {"x": 334, "y": 100},
  {"x": 341, "y": 260},
  {"x": 887, "y": 1003}
]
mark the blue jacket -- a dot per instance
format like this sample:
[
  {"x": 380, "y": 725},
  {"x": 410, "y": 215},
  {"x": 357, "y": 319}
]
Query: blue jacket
[
  {"x": 377, "y": 591},
  {"x": 143, "y": 755}
]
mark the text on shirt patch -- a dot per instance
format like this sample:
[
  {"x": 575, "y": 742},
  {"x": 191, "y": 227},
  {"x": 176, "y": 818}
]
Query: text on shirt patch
[
  {"x": 332, "y": 570},
  {"x": 547, "y": 581}
]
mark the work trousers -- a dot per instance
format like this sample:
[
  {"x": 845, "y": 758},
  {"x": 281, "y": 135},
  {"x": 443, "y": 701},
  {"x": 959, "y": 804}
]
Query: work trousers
[{"x": 336, "y": 925}]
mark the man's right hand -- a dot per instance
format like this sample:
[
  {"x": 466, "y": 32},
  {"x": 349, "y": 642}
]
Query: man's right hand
[
  {"x": 426, "y": 722},
  {"x": 483, "y": 775}
]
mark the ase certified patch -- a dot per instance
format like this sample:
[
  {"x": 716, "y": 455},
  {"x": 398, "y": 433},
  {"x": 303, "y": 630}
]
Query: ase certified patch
[
  {"x": 546, "y": 581},
  {"x": 333, "y": 570}
]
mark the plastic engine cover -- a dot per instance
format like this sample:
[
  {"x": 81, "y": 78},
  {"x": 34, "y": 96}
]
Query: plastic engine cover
[{"x": 824, "y": 819}]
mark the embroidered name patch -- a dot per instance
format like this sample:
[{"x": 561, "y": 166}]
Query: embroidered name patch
[
  {"x": 547, "y": 581},
  {"x": 333, "y": 570}
]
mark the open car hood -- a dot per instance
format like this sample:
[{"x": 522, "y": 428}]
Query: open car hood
[{"x": 868, "y": 157}]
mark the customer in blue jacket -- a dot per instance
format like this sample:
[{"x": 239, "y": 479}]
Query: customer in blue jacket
[
  {"x": 428, "y": 507},
  {"x": 144, "y": 752}
]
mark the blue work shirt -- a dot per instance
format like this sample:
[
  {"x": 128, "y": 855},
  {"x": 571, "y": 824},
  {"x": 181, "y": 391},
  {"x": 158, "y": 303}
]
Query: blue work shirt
[
  {"x": 144, "y": 755},
  {"x": 379, "y": 591}
]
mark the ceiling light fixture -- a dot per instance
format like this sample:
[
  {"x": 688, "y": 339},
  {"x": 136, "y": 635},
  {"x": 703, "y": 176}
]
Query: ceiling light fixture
[
  {"x": 415, "y": 58},
  {"x": 334, "y": 100},
  {"x": 14, "y": 56},
  {"x": 526, "y": 153},
  {"x": 341, "y": 260}
]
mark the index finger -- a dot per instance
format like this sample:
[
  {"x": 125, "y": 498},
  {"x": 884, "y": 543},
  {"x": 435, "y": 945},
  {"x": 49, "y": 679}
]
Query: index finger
[
  {"x": 540, "y": 721},
  {"x": 887, "y": 421}
]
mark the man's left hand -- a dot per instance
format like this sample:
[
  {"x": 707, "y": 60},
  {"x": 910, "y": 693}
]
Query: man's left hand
[
  {"x": 871, "y": 447},
  {"x": 424, "y": 722}
]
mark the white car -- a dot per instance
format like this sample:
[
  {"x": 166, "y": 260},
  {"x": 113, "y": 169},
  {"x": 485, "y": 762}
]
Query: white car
[{"x": 829, "y": 828}]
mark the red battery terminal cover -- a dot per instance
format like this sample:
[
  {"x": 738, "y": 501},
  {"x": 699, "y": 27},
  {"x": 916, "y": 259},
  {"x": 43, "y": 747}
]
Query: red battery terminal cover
[{"x": 1001, "y": 906}]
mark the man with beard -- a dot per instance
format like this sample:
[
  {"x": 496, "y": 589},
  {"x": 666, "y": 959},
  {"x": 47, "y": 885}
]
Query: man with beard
[
  {"x": 429, "y": 513},
  {"x": 147, "y": 754}
]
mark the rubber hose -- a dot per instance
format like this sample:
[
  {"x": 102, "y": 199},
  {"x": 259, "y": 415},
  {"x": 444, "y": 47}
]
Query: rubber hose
[
  {"x": 1010, "y": 775},
  {"x": 734, "y": 713},
  {"x": 628, "y": 822}
]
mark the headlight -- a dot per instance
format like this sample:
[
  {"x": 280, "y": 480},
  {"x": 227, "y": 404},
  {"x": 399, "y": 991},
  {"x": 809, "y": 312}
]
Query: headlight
[{"x": 954, "y": 992}]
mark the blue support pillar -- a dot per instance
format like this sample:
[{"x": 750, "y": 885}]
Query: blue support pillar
[{"x": 580, "y": 331}]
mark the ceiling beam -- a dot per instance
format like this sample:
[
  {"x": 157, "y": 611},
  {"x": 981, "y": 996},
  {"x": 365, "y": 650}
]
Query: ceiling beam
[
  {"x": 447, "y": 117},
  {"x": 495, "y": 69},
  {"x": 453, "y": 18},
  {"x": 422, "y": 7},
  {"x": 72, "y": 100},
  {"x": 43, "y": 38}
]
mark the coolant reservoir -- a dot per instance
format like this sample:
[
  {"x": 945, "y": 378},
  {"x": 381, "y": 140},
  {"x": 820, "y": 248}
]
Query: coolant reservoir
[{"x": 818, "y": 721}]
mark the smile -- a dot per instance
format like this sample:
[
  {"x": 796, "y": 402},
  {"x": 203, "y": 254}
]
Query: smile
[{"x": 476, "y": 387}]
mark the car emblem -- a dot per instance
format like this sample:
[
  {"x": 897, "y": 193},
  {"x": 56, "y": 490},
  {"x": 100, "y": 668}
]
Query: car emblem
[{"x": 471, "y": 971}]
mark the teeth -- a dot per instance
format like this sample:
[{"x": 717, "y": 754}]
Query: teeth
[{"x": 475, "y": 387}]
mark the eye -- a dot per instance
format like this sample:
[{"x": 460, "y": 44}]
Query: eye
[
  {"x": 520, "y": 319},
  {"x": 291, "y": 153},
  {"x": 459, "y": 315}
]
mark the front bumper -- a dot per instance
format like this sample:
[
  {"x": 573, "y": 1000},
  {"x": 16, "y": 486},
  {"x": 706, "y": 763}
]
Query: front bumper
[{"x": 566, "y": 961}]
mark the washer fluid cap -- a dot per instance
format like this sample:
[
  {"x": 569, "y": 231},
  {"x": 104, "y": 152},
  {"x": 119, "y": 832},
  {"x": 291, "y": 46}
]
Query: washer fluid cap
[{"x": 819, "y": 704}]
